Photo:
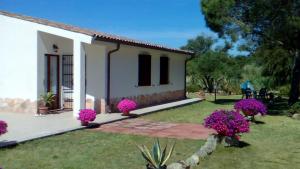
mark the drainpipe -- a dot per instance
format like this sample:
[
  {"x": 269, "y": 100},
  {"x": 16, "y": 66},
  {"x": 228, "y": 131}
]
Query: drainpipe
[
  {"x": 185, "y": 63},
  {"x": 108, "y": 72}
]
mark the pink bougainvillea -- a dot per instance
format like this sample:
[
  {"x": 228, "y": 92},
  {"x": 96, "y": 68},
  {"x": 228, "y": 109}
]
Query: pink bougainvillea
[
  {"x": 251, "y": 107},
  {"x": 3, "y": 127},
  {"x": 87, "y": 115},
  {"x": 227, "y": 123},
  {"x": 126, "y": 105}
]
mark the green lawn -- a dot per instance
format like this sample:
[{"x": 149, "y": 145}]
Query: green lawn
[{"x": 274, "y": 144}]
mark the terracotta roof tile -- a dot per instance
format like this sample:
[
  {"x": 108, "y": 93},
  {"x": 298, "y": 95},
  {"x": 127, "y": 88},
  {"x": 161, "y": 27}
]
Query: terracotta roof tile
[{"x": 98, "y": 35}]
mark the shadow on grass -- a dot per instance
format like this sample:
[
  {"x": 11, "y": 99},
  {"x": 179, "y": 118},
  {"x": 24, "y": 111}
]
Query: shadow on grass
[
  {"x": 243, "y": 144},
  {"x": 279, "y": 107},
  {"x": 8, "y": 144},
  {"x": 225, "y": 101},
  {"x": 258, "y": 122}
]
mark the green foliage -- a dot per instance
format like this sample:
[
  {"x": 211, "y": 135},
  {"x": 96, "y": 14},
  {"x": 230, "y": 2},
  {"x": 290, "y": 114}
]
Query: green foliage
[
  {"x": 199, "y": 45},
  {"x": 295, "y": 108},
  {"x": 253, "y": 73},
  {"x": 270, "y": 29},
  {"x": 159, "y": 157},
  {"x": 48, "y": 98},
  {"x": 192, "y": 88},
  {"x": 275, "y": 62},
  {"x": 284, "y": 90}
]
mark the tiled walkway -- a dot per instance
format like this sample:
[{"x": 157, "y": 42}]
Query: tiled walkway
[{"x": 157, "y": 129}]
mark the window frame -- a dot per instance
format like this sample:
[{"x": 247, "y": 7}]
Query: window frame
[
  {"x": 145, "y": 79},
  {"x": 164, "y": 79}
]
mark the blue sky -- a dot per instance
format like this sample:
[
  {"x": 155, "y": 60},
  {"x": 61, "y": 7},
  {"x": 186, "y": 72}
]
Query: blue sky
[{"x": 167, "y": 22}]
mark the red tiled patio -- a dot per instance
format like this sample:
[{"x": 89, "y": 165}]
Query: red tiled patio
[{"x": 157, "y": 129}]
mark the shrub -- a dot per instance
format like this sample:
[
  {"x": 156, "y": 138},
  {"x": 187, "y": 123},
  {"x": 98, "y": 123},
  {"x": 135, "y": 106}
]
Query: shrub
[
  {"x": 295, "y": 108},
  {"x": 192, "y": 88},
  {"x": 87, "y": 115},
  {"x": 284, "y": 90},
  {"x": 126, "y": 105},
  {"x": 251, "y": 107},
  {"x": 3, "y": 127},
  {"x": 227, "y": 123}
]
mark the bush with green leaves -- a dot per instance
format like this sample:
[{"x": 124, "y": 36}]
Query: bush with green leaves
[
  {"x": 295, "y": 108},
  {"x": 47, "y": 99},
  {"x": 158, "y": 158},
  {"x": 192, "y": 88}
]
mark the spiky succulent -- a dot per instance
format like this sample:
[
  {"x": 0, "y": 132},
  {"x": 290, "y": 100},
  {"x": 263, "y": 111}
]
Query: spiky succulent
[{"x": 158, "y": 158}]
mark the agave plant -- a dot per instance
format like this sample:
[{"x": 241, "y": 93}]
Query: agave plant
[{"x": 158, "y": 158}]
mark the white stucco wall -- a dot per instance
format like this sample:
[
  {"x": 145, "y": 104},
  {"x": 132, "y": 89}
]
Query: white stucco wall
[
  {"x": 18, "y": 60},
  {"x": 95, "y": 71},
  {"x": 22, "y": 64},
  {"x": 124, "y": 72}
]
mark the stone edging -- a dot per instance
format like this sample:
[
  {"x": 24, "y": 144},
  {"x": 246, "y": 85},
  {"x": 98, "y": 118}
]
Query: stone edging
[{"x": 209, "y": 146}]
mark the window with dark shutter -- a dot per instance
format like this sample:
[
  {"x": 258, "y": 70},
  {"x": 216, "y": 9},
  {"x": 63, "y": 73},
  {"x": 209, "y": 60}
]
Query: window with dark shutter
[
  {"x": 144, "y": 70},
  {"x": 164, "y": 70}
]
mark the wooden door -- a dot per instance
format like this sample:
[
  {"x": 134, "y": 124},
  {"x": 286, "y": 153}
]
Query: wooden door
[{"x": 53, "y": 79}]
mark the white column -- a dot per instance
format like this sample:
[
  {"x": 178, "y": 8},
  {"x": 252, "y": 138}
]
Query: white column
[{"x": 78, "y": 77}]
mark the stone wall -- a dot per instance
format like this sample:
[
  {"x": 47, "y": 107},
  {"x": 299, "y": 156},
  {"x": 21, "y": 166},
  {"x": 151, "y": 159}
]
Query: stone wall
[
  {"x": 17, "y": 105},
  {"x": 152, "y": 99}
]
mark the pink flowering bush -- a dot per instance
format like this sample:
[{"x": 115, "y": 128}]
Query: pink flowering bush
[
  {"x": 126, "y": 105},
  {"x": 87, "y": 115},
  {"x": 227, "y": 123},
  {"x": 251, "y": 107},
  {"x": 3, "y": 127}
]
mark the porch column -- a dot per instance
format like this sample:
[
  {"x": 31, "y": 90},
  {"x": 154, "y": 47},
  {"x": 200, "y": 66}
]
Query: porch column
[{"x": 78, "y": 77}]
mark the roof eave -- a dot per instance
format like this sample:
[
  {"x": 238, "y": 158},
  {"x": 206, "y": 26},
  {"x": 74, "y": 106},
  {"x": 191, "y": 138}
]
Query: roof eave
[{"x": 131, "y": 43}]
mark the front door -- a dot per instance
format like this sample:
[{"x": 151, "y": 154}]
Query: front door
[{"x": 53, "y": 79}]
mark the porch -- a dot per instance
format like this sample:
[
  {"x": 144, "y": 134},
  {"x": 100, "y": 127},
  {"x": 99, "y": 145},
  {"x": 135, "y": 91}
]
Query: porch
[{"x": 73, "y": 71}]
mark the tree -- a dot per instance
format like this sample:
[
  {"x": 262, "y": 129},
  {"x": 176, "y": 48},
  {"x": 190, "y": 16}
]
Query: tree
[
  {"x": 261, "y": 23},
  {"x": 199, "y": 45},
  {"x": 212, "y": 66}
]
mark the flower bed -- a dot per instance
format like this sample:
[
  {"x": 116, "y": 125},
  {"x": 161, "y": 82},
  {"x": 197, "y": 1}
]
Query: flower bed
[
  {"x": 86, "y": 116},
  {"x": 3, "y": 127},
  {"x": 251, "y": 107},
  {"x": 126, "y": 105}
]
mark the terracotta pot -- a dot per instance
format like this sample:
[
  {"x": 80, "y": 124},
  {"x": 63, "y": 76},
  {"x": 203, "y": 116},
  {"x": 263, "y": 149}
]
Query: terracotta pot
[
  {"x": 125, "y": 114},
  {"x": 84, "y": 123},
  {"x": 43, "y": 109}
]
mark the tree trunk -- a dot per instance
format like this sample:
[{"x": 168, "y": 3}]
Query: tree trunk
[{"x": 294, "y": 92}]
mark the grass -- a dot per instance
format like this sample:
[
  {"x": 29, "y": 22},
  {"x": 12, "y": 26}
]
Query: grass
[
  {"x": 194, "y": 113},
  {"x": 87, "y": 150},
  {"x": 272, "y": 144}
]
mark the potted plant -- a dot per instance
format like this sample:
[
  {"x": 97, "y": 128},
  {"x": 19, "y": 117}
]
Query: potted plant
[
  {"x": 46, "y": 101},
  {"x": 158, "y": 158},
  {"x": 3, "y": 127},
  {"x": 228, "y": 124},
  {"x": 250, "y": 108},
  {"x": 126, "y": 105},
  {"x": 86, "y": 116}
]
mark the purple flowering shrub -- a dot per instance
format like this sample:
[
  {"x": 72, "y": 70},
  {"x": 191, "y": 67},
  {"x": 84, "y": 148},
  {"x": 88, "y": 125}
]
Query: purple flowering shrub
[
  {"x": 3, "y": 127},
  {"x": 126, "y": 105},
  {"x": 227, "y": 123},
  {"x": 251, "y": 107},
  {"x": 87, "y": 115}
]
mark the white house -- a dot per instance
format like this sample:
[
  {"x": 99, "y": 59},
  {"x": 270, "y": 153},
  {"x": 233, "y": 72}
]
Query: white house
[{"x": 83, "y": 68}]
